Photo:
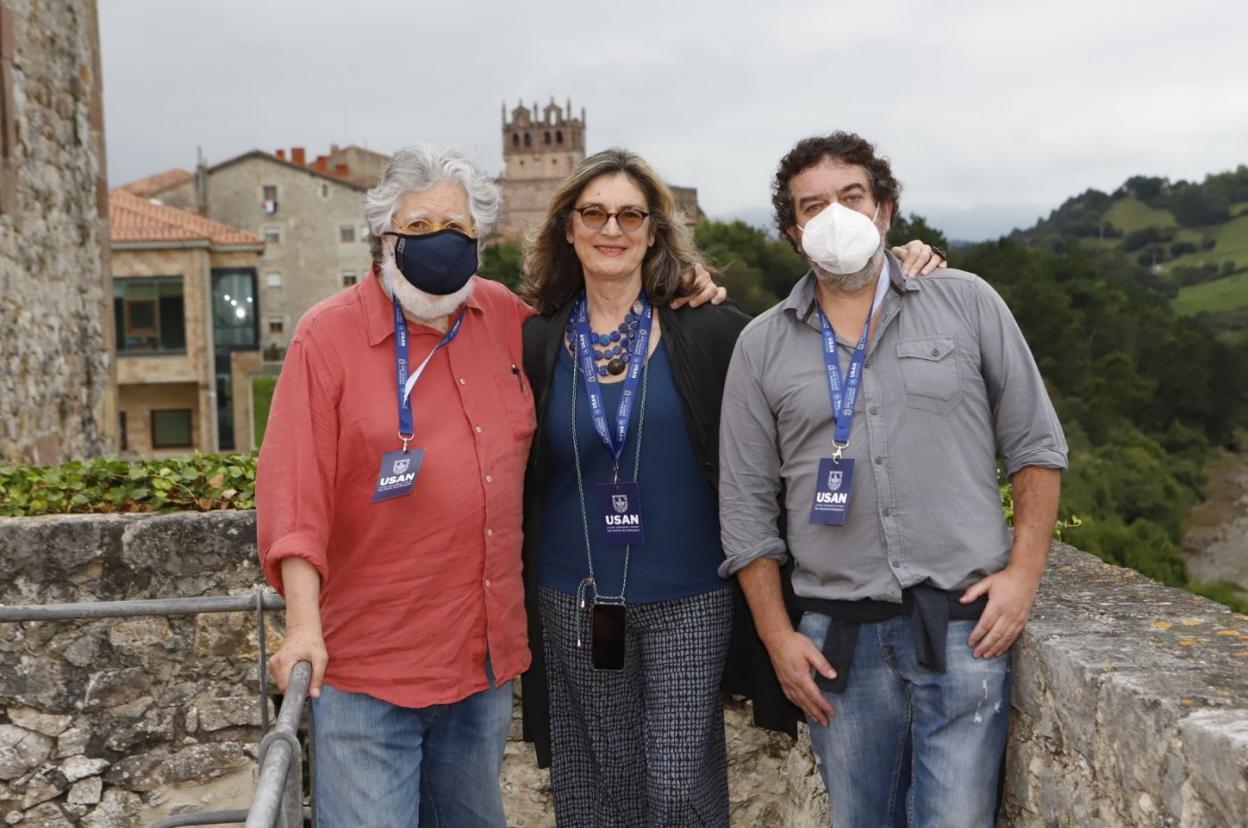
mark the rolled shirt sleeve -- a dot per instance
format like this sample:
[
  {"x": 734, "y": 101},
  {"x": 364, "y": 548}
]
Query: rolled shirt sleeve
[
  {"x": 1025, "y": 424},
  {"x": 749, "y": 469},
  {"x": 296, "y": 470}
]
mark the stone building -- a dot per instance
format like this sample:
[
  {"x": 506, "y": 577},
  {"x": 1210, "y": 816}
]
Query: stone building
[
  {"x": 310, "y": 216},
  {"x": 540, "y": 149},
  {"x": 56, "y": 389},
  {"x": 186, "y": 311}
]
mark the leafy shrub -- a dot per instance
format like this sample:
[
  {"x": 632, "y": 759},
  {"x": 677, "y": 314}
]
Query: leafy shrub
[{"x": 196, "y": 482}]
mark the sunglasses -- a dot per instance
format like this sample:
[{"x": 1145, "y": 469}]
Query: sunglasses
[{"x": 595, "y": 218}]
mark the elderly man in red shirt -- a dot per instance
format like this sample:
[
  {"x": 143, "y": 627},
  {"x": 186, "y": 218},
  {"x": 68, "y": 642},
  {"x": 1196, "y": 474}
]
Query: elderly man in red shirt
[{"x": 389, "y": 500}]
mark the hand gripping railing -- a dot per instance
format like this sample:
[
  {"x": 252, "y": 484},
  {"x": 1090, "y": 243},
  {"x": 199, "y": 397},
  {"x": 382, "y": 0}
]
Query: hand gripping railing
[{"x": 278, "y": 801}]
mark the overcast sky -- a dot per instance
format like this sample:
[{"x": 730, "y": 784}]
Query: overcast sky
[{"x": 992, "y": 112}]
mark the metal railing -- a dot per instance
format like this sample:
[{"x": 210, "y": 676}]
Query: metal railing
[{"x": 278, "y": 800}]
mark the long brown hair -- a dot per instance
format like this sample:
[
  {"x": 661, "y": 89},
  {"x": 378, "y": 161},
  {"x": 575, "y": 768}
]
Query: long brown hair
[{"x": 552, "y": 272}]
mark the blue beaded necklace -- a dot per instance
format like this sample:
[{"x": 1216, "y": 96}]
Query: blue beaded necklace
[{"x": 615, "y": 348}]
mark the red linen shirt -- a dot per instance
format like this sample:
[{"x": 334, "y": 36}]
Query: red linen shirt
[{"x": 413, "y": 589}]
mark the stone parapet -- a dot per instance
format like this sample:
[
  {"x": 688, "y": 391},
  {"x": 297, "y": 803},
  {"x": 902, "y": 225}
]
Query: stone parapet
[{"x": 1130, "y": 699}]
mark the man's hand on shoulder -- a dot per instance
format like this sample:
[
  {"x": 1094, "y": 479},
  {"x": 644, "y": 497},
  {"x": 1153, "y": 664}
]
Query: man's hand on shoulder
[
  {"x": 919, "y": 259},
  {"x": 704, "y": 289},
  {"x": 1011, "y": 593},
  {"x": 793, "y": 656}
]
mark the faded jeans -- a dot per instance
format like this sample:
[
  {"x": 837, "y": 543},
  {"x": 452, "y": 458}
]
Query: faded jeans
[
  {"x": 908, "y": 746},
  {"x": 387, "y": 766}
]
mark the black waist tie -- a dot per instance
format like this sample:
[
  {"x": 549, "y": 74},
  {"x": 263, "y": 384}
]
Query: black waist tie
[{"x": 930, "y": 610}]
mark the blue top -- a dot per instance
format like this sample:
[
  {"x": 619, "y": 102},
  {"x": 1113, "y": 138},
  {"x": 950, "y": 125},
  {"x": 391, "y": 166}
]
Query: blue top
[{"x": 679, "y": 507}]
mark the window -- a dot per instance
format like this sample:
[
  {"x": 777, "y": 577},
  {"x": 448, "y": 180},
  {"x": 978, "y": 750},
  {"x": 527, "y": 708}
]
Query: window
[
  {"x": 122, "y": 442},
  {"x": 268, "y": 199},
  {"x": 324, "y": 190},
  {"x": 527, "y": 142},
  {"x": 548, "y": 136},
  {"x": 172, "y": 429},
  {"x": 349, "y": 278},
  {"x": 272, "y": 235},
  {"x": 515, "y": 139},
  {"x": 234, "y": 310},
  {"x": 273, "y": 279},
  {"x": 149, "y": 315},
  {"x": 346, "y": 235},
  {"x": 559, "y": 136},
  {"x": 276, "y": 324}
]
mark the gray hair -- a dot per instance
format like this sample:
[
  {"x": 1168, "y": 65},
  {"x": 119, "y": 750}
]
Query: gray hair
[{"x": 417, "y": 168}]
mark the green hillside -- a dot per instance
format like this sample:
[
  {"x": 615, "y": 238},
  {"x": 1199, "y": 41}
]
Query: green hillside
[
  {"x": 1219, "y": 295},
  {"x": 1192, "y": 238},
  {"x": 1129, "y": 213}
]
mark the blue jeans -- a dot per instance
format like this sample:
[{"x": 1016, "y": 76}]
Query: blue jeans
[
  {"x": 908, "y": 746},
  {"x": 387, "y": 766}
]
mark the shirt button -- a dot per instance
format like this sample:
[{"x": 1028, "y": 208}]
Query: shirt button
[
  {"x": 935, "y": 352},
  {"x": 477, "y": 429},
  {"x": 489, "y": 533},
  {"x": 462, "y": 381},
  {"x": 487, "y": 582},
  {"x": 887, "y": 511},
  {"x": 879, "y": 461},
  {"x": 866, "y": 363},
  {"x": 489, "y": 479},
  {"x": 875, "y": 409}
]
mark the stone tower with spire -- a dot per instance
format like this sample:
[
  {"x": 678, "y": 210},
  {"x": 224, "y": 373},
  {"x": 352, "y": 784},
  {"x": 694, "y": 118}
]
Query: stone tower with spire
[
  {"x": 540, "y": 147},
  {"x": 544, "y": 143}
]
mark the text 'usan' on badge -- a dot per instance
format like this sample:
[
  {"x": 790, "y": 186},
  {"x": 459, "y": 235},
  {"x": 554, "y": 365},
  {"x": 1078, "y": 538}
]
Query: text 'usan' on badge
[
  {"x": 398, "y": 473},
  {"x": 619, "y": 513}
]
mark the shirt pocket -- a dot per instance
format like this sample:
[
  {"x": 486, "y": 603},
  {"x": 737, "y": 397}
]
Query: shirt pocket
[
  {"x": 517, "y": 396},
  {"x": 929, "y": 368}
]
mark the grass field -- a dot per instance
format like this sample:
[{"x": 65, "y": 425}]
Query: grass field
[
  {"x": 1223, "y": 294},
  {"x": 1232, "y": 244},
  {"x": 1130, "y": 213},
  {"x": 261, "y": 397}
]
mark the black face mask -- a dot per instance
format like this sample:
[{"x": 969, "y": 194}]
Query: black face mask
[{"x": 436, "y": 263}]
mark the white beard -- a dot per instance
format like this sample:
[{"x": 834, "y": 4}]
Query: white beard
[{"x": 423, "y": 306}]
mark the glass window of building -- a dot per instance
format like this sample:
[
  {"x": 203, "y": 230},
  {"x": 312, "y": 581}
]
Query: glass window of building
[
  {"x": 149, "y": 315},
  {"x": 172, "y": 429}
]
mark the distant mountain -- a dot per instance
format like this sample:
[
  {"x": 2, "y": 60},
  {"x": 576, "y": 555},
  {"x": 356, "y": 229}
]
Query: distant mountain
[{"x": 1192, "y": 236}]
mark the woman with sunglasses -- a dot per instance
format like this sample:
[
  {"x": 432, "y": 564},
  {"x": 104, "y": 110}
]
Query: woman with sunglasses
[{"x": 629, "y": 622}]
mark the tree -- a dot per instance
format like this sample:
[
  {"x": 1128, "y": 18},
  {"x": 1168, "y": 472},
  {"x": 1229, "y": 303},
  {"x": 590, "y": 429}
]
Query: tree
[
  {"x": 916, "y": 227},
  {"x": 503, "y": 262}
]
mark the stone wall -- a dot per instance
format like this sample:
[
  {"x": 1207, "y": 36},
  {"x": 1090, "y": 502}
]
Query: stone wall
[
  {"x": 56, "y": 395},
  {"x": 1130, "y": 699}
]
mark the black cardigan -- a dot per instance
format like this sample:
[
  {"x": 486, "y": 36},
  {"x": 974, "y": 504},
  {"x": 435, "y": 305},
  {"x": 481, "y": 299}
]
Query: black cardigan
[{"x": 699, "y": 343}]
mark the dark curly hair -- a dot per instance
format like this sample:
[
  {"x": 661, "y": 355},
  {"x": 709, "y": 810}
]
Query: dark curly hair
[{"x": 843, "y": 146}]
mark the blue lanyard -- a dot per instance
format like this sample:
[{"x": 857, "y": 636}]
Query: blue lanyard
[
  {"x": 593, "y": 390},
  {"x": 405, "y": 382},
  {"x": 843, "y": 404}
]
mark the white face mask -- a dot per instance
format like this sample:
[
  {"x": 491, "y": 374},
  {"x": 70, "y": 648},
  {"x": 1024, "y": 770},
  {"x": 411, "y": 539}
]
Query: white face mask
[{"x": 840, "y": 240}]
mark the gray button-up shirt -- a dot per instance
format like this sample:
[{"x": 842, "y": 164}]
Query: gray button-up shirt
[{"x": 948, "y": 384}]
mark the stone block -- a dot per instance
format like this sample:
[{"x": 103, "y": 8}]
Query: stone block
[
  {"x": 46, "y": 815},
  {"x": 21, "y": 750},
  {"x": 86, "y": 791},
  {"x": 80, "y": 767},
  {"x": 43, "y": 786},
  {"x": 116, "y": 808},
  {"x": 231, "y": 711},
  {"x": 1215, "y": 743},
  {"x": 47, "y": 724},
  {"x": 139, "y": 634},
  {"x": 108, "y": 688}
]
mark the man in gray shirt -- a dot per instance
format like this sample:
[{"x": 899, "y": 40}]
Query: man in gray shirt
[{"x": 865, "y": 414}]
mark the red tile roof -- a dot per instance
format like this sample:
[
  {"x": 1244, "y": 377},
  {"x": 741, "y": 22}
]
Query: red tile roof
[
  {"x": 135, "y": 219},
  {"x": 158, "y": 183}
]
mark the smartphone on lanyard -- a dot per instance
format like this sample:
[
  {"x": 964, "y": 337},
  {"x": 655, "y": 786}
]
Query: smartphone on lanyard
[{"x": 607, "y": 636}]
